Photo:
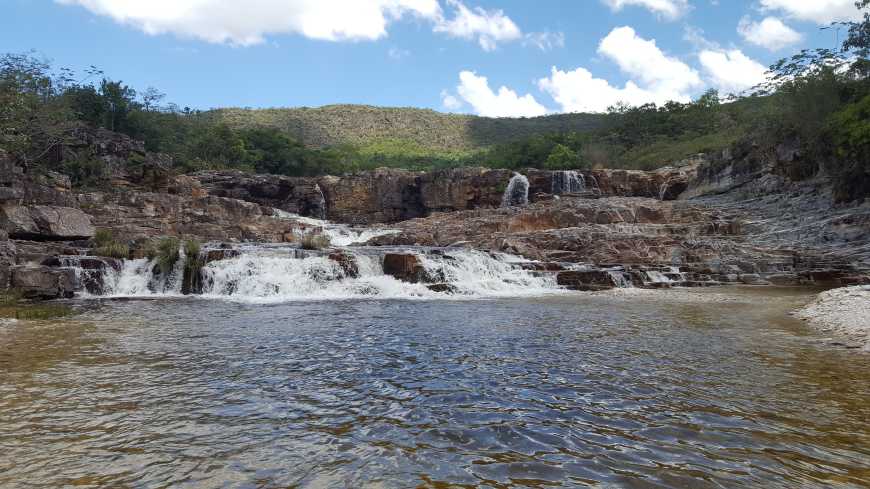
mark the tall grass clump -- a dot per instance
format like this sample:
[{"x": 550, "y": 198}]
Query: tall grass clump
[
  {"x": 314, "y": 241},
  {"x": 106, "y": 245}
]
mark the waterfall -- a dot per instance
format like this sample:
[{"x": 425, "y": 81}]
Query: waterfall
[
  {"x": 339, "y": 234},
  {"x": 263, "y": 274},
  {"x": 321, "y": 203},
  {"x": 517, "y": 191},
  {"x": 567, "y": 182}
]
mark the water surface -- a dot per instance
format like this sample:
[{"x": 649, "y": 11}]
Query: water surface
[{"x": 716, "y": 388}]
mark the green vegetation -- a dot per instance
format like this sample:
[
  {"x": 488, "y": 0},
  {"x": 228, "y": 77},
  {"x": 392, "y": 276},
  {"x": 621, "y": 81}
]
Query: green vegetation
[
  {"x": 192, "y": 280},
  {"x": 314, "y": 241},
  {"x": 167, "y": 254},
  {"x": 817, "y": 97},
  {"x": 12, "y": 307},
  {"x": 106, "y": 245}
]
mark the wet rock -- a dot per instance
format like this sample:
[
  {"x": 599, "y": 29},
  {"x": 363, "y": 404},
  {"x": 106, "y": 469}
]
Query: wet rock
[
  {"x": 442, "y": 288},
  {"x": 37, "y": 282},
  {"x": 221, "y": 254},
  {"x": 346, "y": 262},
  {"x": 587, "y": 280},
  {"x": 404, "y": 267}
]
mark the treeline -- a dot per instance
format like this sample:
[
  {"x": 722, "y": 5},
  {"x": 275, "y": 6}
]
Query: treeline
[{"x": 819, "y": 97}]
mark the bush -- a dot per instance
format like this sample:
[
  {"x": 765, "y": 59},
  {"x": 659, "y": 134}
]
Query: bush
[
  {"x": 314, "y": 241},
  {"x": 167, "y": 254},
  {"x": 106, "y": 245},
  {"x": 113, "y": 250}
]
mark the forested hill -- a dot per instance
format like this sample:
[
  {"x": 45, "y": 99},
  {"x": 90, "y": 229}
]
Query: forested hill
[{"x": 361, "y": 124}]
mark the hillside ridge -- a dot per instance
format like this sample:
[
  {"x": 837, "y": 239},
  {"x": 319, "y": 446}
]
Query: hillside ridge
[{"x": 331, "y": 125}]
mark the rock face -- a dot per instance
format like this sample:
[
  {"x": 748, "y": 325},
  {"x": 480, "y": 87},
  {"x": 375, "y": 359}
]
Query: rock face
[
  {"x": 43, "y": 282},
  {"x": 44, "y": 223},
  {"x": 300, "y": 196}
]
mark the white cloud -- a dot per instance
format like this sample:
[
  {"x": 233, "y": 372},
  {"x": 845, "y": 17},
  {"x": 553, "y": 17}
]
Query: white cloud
[
  {"x": 245, "y": 23},
  {"x": 643, "y": 59},
  {"x": 667, "y": 9},
  {"x": 449, "y": 101},
  {"x": 660, "y": 78},
  {"x": 545, "y": 41},
  {"x": 821, "y": 12},
  {"x": 580, "y": 91},
  {"x": 489, "y": 27},
  {"x": 731, "y": 71},
  {"x": 771, "y": 33},
  {"x": 475, "y": 91}
]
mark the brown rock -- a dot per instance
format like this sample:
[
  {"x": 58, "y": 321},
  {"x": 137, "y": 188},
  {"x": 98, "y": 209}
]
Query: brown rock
[{"x": 43, "y": 282}]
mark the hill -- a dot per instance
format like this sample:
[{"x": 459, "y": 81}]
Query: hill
[{"x": 362, "y": 125}]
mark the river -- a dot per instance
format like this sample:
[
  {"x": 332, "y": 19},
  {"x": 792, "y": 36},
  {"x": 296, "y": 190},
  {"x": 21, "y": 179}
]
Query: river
[{"x": 628, "y": 388}]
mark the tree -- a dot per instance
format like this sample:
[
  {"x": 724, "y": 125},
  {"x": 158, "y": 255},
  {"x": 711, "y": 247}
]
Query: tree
[{"x": 562, "y": 158}]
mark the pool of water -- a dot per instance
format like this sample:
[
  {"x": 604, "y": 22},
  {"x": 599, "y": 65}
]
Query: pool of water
[{"x": 713, "y": 388}]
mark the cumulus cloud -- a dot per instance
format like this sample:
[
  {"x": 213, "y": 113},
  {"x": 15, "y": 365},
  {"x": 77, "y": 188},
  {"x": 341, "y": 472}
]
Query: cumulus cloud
[
  {"x": 771, "y": 33},
  {"x": 475, "y": 91},
  {"x": 731, "y": 71},
  {"x": 545, "y": 41},
  {"x": 821, "y": 12},
  {"x": 657, "y": 77},
  {"x": 449, "y": 101},
  {"x": 245, "y": 23},
  {"x": 488, "y": 27},
  {"x": 667, "y": 9}
]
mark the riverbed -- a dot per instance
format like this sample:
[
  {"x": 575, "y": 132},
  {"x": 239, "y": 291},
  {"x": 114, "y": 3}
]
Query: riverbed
[{"x": 637, "y": 388}]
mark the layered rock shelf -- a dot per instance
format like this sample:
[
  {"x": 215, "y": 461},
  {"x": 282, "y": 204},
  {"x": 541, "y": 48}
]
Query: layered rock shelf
[{"x": 727, "y": 218}]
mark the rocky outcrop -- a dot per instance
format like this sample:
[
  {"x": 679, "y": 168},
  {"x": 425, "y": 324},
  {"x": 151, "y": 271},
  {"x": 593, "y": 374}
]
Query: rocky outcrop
[
  {"x": 382, "y": 195},
  {"x": 300, "y": 196},
  {"x": 45, "y": 223},
  {"x": 42, "y": 282}
]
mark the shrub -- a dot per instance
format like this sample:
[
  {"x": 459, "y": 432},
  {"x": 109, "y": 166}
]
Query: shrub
[
  {"x": 167, "y": 254},
  {"x": 314, "y": 241},
  {"x": 113, "y": 250},
  {"x": 106, "y": 245},
  {"x": 192, "y": 281}
]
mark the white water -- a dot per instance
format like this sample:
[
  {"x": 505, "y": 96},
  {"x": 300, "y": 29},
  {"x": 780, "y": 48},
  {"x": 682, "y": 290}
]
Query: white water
[
  {"x": 566, "y": 182},
  {"x": 137, "y": 279},
  {"x": 517, "y": 191},
  {"x": 471, "y": 274},
  {"x": 339, "y": 234}
]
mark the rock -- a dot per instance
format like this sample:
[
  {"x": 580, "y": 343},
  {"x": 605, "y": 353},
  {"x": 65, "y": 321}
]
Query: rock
[
  {"x": 221, "y": 254},
  {"x": 442, "y": 288},
  {"x": 404, "y": 267},
  {"x": 587, "y": 280},
  {"x": 40, "y": 222},
  {"x": 38, "y": 282},
  {"x": 346, "y": 262},
  {"x": 380, "y": 196}
]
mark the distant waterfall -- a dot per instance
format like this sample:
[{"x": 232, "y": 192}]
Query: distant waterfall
[
  {"x": 567, "y": 182},
  {"x": 321, "y": 203},
  {"x": 517, "y": 191}
]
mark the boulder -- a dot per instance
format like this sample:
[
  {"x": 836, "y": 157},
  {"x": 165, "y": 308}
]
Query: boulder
[
  {"x": 404, "y": 267},
  {"x": 40, "y": 282},
  {"x": 346, "y": 262},
  {"x": 45, "y": 223}
]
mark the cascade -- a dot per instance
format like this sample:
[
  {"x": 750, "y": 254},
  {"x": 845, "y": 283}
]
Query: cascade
[
  {"x": 620, "y": 279},
  {"x": 566, "y": 182},
  {"x": 277, "y": 274},
  {"x": 339, "y": 234},
  {"x": 517, "y": 191},
  {"x": 321, "y": 203}
]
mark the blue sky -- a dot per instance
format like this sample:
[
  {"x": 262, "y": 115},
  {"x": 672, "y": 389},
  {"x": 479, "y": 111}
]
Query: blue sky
[{"x": 497, "y": 58}]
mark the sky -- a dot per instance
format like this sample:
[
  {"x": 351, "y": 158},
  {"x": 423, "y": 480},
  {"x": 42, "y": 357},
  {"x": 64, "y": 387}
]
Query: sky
[{"x": 507, "y": 58}]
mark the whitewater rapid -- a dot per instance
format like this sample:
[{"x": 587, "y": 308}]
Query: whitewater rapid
[{"x": 272, "y": 274}]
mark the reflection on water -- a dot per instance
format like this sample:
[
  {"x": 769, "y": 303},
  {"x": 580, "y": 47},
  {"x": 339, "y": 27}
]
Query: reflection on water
[{"x": 661, "y": 389}]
